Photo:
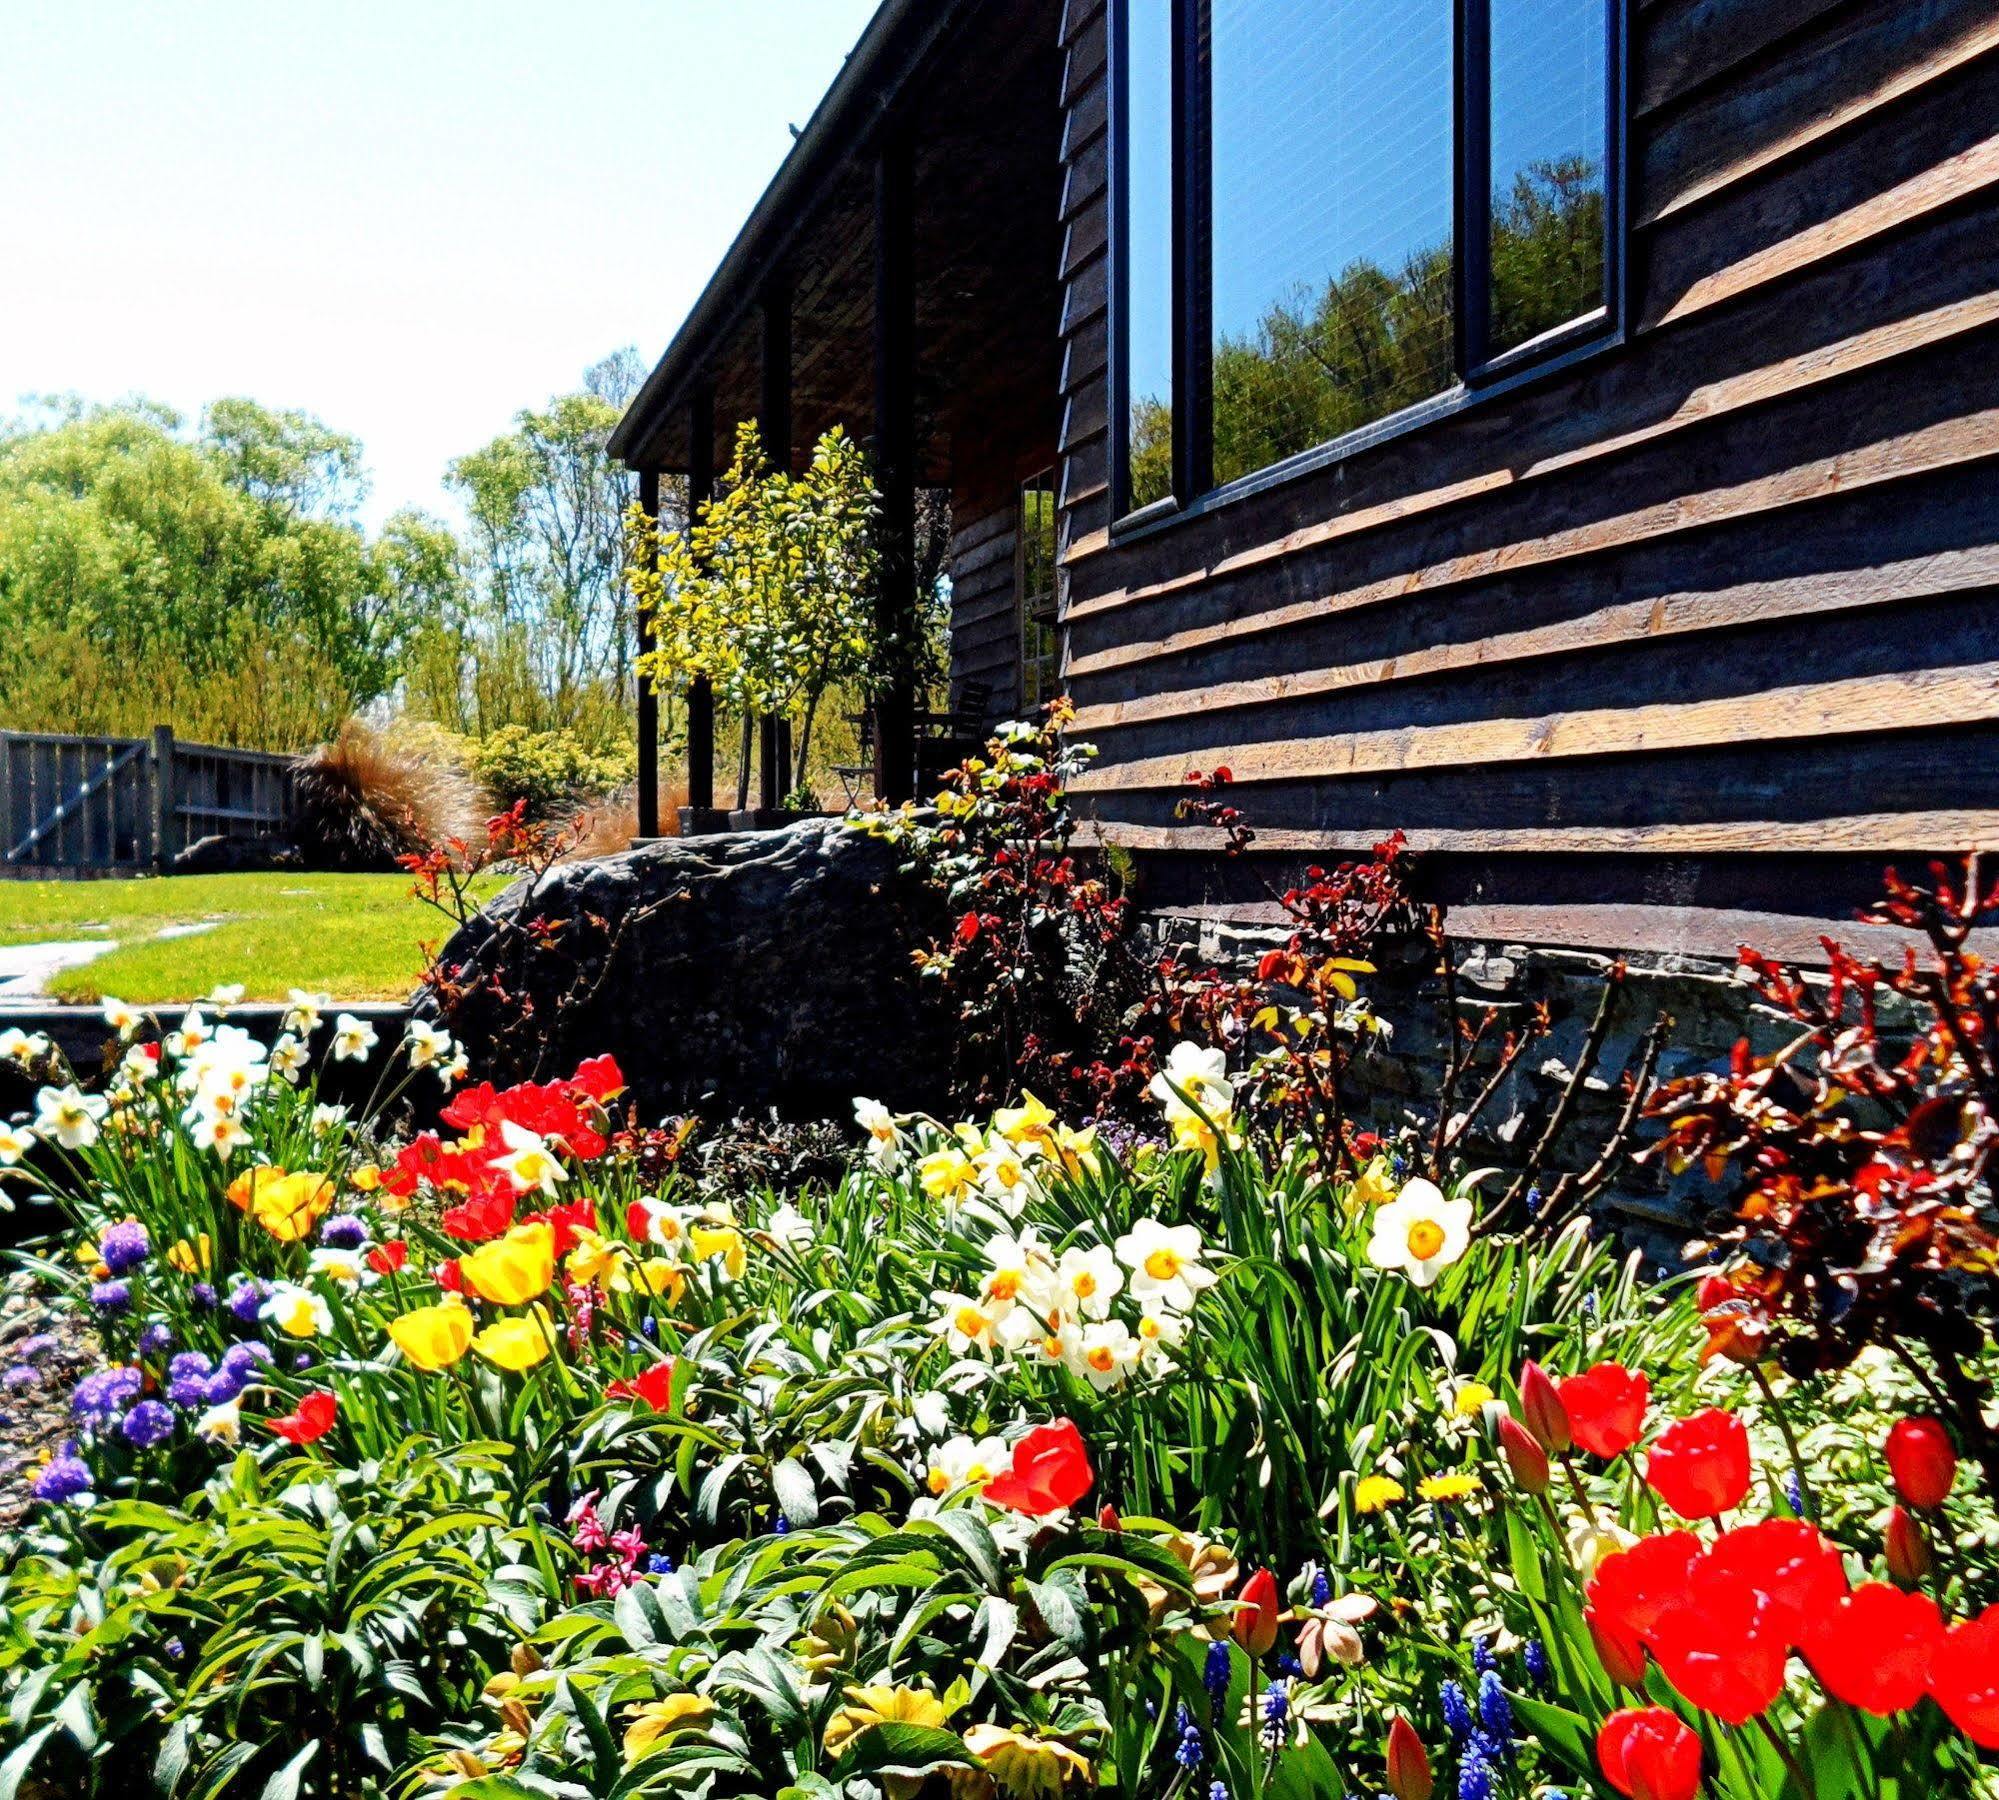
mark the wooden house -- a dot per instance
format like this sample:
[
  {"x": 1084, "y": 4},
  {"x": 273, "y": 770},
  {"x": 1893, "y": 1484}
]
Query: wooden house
[{"x": 1565, "y": 431}]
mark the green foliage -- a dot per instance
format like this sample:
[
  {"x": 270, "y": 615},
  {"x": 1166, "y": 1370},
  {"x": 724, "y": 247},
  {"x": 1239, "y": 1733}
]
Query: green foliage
[{"x": 555, "y": 772}]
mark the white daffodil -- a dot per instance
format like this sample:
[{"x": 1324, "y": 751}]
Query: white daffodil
[
  {"x": 1103, "y": 1353},
  {"x": 454, "y": 1068},
  {"x": 305, "y": 1012},
  {"x": 1194, "y": 1077},
  {"x": 222, "y": 1132},
  {"x": 121, "y": 1018},
  {"x": 1160, "y": 1330},
  {"x": 221, "y": 1424},
  {"x": 1087, "y": 1280},
  {"x": 427, "y": 1044},
  {"x": 529, "y": 1163},
  {"x": 962, "y": 1322},
  {"x": 225, "y": 995},
  {"x": 13, "y": 1045},
  {"x": 789, "y": 1227},
  {"x": 1016, "y": 1268},
  {"x": 327, "y": 1117},
  {"x": 353, "y": 1038},
  {"x": 139, "y": 1065},
  {"x": 966, "y": 1462},
  {"x": 15, "y": 1142},
  {"x": 69, "y": 1115},
  {"x": 1006, "y": 1175},
  {"x": 884, "y": 1139},
  {"x": 290, "y": 1059},
  {"x": 348, "y": 1267},
  {"x": 1165, "y": 1264},
  {"x": 654, "y": 1222},
  {"x": 296, "y": 1311},
  {"x": 193, "y": 1032},
  {"x": 1421, "y": 1232}
]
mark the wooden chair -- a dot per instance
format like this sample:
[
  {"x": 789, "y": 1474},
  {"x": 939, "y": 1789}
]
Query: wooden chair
[{"x": 858, "y": 778}]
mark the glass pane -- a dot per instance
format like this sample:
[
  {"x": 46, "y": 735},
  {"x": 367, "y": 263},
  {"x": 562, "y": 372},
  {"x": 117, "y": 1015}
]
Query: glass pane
[
  {"x": 1550, "y": 63},
  {"x": 1040, "y": 646},
  {"x": 1332, "y": 219},
  {"x": 1148, "y": 248}
]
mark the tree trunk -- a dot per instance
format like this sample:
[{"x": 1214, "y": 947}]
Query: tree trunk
[{"x": 743, "y": 761}]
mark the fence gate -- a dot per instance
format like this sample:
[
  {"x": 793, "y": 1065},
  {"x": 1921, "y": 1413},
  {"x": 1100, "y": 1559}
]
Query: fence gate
[{"x": 108, "y": 806}]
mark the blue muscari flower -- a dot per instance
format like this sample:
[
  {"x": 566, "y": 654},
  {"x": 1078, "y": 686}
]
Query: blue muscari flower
[
  {"x": 1589, "y": 1304},
  {"x": 1474, "y": 1778},
  {"x": 124, "y": 1246},
  {"x": 1538, "y": 1671},
  {"x": 344, "y": 1231},
  {"x": 1482, "y": 1658},
  {"x": 781, "y": 1526},
  {"x": 174, "y": 1648},
  {"x": 1218, "y": 1790},
  {"x": 1794, "y": 1494},
  {"x": 1215, "y": 1673},
  {"x": 1495, "y": 1711},
  {"x": 1495, "y": 1750},
  {"x": 1457, "y": 1710},
  {"x": 148, "y": 1423},
  {"x": 1276, "y": 1709},
  {"x": 1535, "y": 1201},
  {"x": 64, "y": 1479},
  {"x": 111, "y": 1296},
  {"x": 660, "y": 1565},
  {"x": 1322, "y": 1589},
  {"x": 1182, "y": 1718},
  {"x": 1287, "y": 1664},
  {"x": 649, "y": 1326},
  {"x": 1190, "y": 1755},
  {"x": 303, "y": 1360}
]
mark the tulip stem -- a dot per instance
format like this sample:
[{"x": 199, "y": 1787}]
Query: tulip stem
[
  {"x": 1790, "y": 1439},
  {"x": 1799, "y": 1774}
]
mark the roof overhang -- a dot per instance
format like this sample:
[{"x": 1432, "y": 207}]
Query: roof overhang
[{"x": 892, "y": 51}]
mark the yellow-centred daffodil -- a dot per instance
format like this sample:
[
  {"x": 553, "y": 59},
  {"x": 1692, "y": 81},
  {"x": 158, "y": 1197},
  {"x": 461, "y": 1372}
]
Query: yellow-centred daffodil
[
  {"x": 514, "y": 1269},
  {"x": 433, "y": 1337},
  {"x": 518, "y": 1343},
  {"x": 1421, "y": 1232},
  {"x": 724, "y": 1241}
]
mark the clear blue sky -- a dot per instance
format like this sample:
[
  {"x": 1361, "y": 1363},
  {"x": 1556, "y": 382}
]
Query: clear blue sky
[{"x": 411, "y": 217}]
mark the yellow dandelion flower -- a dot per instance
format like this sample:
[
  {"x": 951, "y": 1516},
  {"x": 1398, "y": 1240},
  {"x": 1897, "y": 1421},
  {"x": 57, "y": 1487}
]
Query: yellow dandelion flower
[
  {"x": 1376, "y": 1493},
  {"x": 1446, "y": 1488},
  {"x": 1472, "y": 1399}
]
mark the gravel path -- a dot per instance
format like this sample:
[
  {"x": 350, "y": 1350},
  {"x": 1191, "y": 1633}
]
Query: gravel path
[{"x": 43, "y": 1354}]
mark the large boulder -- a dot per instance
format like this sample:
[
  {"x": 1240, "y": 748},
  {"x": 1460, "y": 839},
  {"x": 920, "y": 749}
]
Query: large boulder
[{"x": 748, "y": 970}]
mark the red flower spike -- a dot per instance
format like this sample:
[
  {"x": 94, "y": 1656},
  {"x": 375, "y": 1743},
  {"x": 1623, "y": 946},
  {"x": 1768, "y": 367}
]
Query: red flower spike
[
  {"x": 1606, "y": 1408},
  {"x": 1542, "y": 1410},
  {"x": 1923, "y": 1461},
  {"x": 1524, "y": 1457},
  {"x": 1632, "y": 1588},
  {"x": 1793, "y": 1567},
  {"x": 310, "y": 1421},
  {"x": 1409, "y": 1776},
  {"x": 1621, "y": 1653},
  {"x": 1906, "y": 1549},
  {"x": 1648, "y": 1753},
  {"x": 1255, "y": 1625},
  {"x": 1051, "y": 1470},
  {"x": 1964, "y": 1677},
  {"x": 1700, "y": 1466},
  {"x": 1876, "y": 1648}
]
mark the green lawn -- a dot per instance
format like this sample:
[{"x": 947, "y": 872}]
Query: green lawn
[{"x": 356, "y": 937}]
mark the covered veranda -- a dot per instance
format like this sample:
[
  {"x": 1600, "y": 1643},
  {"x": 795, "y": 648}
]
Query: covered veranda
[{"x": 899, "y": 278}]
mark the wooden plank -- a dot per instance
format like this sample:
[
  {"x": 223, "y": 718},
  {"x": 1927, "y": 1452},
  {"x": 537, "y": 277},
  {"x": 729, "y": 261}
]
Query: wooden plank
[
  {"x": 1904, "y": 701},
  {"x": 1939, "y": 832},
  {"x": 1695, "y": 612},
  {"x": 1895, "y": 49},
  {"x": 1949, "y": 443},
  {"x": 1688, "y": 45}
]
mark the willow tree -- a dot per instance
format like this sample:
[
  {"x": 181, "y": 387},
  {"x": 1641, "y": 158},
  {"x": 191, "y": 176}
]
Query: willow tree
[{"x": 768, "y": 594}]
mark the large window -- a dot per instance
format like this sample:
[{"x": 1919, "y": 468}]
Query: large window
[
  {"x": 1040, "y": 633},
  {"x": 1335, "y": 216}
]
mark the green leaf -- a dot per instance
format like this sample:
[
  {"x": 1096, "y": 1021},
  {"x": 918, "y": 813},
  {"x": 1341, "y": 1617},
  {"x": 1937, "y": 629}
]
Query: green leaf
[
  {"x": 797, "y": 1496},
  {"x": 969, "y": 1532},
  {"x": 284, "y": 1784},
  {"x": 897, "y": 1748},
  {"x": 19, "y": 1758}
]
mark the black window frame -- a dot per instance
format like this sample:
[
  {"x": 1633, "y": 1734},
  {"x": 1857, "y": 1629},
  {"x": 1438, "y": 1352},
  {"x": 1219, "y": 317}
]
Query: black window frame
[{"x": 1480, "y": 375}]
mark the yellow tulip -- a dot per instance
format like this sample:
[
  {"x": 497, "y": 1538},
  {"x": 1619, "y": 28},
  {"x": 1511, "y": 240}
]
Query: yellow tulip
[
  {"x": 433, "y": 1337},
  {"x": 516, "y": 1344},
  {"x": 290, "y": 1207},
  {"x": 195, "y": 1258},
  {"x": 246, "y": 1187},
  {"x": 514, "y": 1269}
]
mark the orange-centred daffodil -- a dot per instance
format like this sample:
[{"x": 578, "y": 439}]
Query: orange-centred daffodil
[
  {"x": 514, "y": 1269},
  {"x": 433, "y": 1337}
]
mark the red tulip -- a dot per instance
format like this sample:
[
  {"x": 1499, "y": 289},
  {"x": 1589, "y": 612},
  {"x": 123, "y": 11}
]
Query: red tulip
[
  {"x": 600, "y": 1078},
  {"x": 1051, "y": 1470},
  {"x": 1632, "y": 1588},
  {"x": 1526, "y": 1458},
  {"x": 310, "y": 1421},
  {"x": 1907, "y": 1550},
  {"x": 1700, "y": 1466},
  {"x": 1606, "y": 1408},
  {"x": 1621, "y": 1652},
  {"x": 1923, "y": 1462},
  {"x": 654, "y": 1386},
  {"x": 1255, "y": 1625},
  {"x": 1409, "y": 1776},
  {"x": 1107, "y": 1517},
  {"x": 1964, "y": 1677},
  {"x": 1720, "y": 1648},
  {"x": 1875, "y": 1649},
  {"x": 1647, "y": 1753},
  {"x": 1790, "y": 1564},
  {"x": 386, "y": 1259},
  {"x": 1541, "y": 1408}
]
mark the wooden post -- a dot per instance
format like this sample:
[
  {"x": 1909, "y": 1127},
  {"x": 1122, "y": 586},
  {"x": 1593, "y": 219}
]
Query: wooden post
[
  {"x": 9, "y": 835},
  {"x": 895, "y": 464},
  {"x": 165, "y": 815},
  {"x": 774, "y": 424},
  {"x": 701, "y": 695},
  {"x": 648, "y": 694}
]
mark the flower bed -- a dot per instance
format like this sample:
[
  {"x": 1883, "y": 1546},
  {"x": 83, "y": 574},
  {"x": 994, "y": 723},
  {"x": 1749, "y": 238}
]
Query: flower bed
[{"x": 1029, "y": 1457}]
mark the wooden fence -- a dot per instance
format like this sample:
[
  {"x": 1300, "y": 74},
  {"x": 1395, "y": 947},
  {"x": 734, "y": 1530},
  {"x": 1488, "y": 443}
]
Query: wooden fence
[{"x": 73, "y": 806}]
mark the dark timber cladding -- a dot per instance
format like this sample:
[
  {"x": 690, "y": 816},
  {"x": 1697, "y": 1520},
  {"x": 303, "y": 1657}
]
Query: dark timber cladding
[{"x": 1708, "y": 620}]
